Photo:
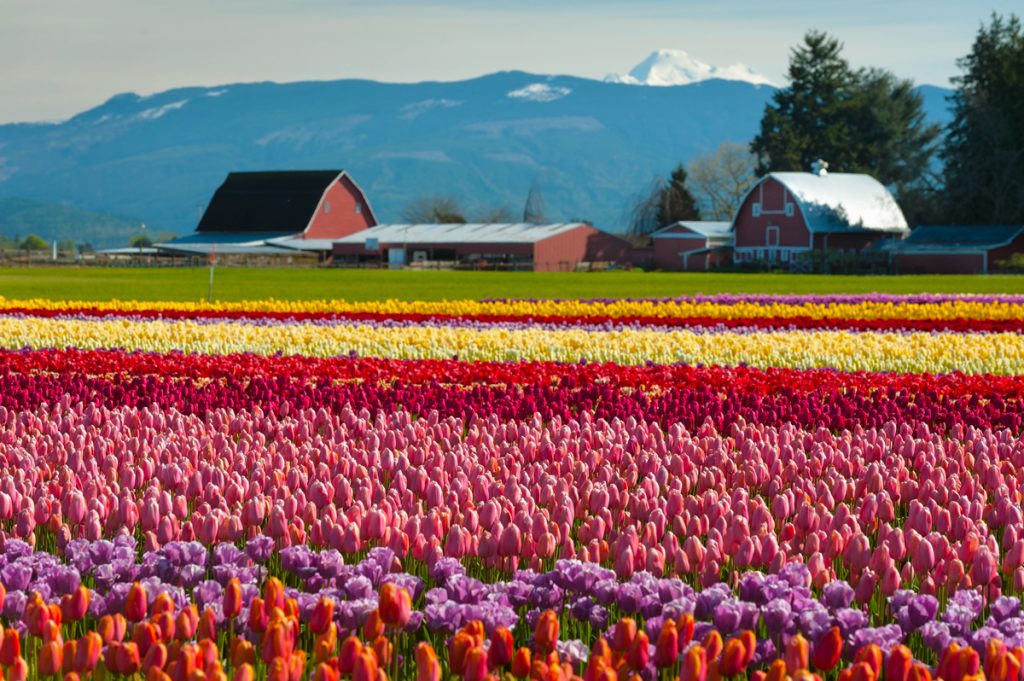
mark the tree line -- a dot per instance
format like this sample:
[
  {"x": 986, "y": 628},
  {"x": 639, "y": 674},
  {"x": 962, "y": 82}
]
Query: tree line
[{"x": 869, "y": 121}]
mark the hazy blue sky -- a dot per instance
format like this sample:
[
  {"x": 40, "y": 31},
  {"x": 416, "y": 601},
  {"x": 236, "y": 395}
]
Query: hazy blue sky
[{"x": 58, "y": 57}]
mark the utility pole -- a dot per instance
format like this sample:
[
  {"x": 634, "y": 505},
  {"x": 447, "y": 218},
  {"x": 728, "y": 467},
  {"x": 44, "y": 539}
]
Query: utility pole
[{"x": 213, "y": 261}]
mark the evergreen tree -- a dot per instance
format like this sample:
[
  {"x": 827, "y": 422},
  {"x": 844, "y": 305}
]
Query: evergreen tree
[
  {"x": 533, "y": 209},
  {"x": 807, "y": 120},
  {"x": 663, "y": 204},
  {"x": 860, "y": 121},
  {"x": 677, "y": 203},
  {"x": 984, "y": 152}
]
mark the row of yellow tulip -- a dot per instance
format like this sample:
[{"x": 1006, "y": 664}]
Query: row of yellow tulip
[{"x": 997, "y": 353}]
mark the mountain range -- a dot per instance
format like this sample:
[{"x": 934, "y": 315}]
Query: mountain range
[{"x": 590, "y": 146}]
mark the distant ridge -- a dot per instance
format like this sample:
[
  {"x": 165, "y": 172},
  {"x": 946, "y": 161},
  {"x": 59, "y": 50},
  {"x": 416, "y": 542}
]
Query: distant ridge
[{"x": 590, "y": 146}]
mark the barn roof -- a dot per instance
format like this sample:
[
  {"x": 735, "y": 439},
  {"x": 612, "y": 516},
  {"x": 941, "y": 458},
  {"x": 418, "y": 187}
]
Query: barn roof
[
  {"x": 841, "y": 202},
  {"x": 484, "y": 233},
  {"x": 705, "y": 228},
  {"x": 955, "y": 238},
  {"x": 272, "y": 201}
]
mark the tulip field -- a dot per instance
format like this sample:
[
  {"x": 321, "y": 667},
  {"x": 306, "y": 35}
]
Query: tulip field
[{"x": 774, "y": 488}]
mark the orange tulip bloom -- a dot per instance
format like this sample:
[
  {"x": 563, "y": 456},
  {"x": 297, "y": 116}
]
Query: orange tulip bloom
[
  {"x": 458, "y": 649},
  {"x": 232, "y": 598},
  {"x": 258, "y": 615},
  {"x": 749, "y": 641},
  {"x": 476, "y": 630},
  {"x": 18, "y": 671},
  {"x": 713, "y": 644},
  {"x": 156, "y": 656},
  {"x": 639, "y": 652},
  {"x": 87, "y": 654},
  {"x": 325, "y": 672},
  {"x": 135, "y": 607},
  {"x": 476, "y": 665},
  {"x": 51, "y": 657},
  {"x": 733, "y": 655},
  {"x": 395, "y": 605},
  {"x": 365, "y": 668},
  {"x": 502, "y": 648},
  {"x": 273, "y": 593},
  {"x": 694, "y": 666},
  {"x": 374, "y": 626},
  {"x": 277, "y": 670},
  {"x": 207, "y": 625},
  {"x": 625, "y": 632},
  {"x": 872, "y": 655},
  {"x": 776, "y": 671},
  {"x": 666, "y": 648},
  {"x": 428, "y": 667},
  {"x": 163, "y": 621},
  {"x": 244, "y": 672},
  {"x": 10, "y": 647},
  {"x": 297, "y": 665},
  {"x": 862, "y": 671},
  {"x": 545, "y": 633},
  {"x": 921, "y": 673},
  {"x": 242, "y": 652},
  {"x": 351, "y": 648},
  {"x": 163, "y": 603},
  {"x": 144, "y": 635},
  {"x": 521, "y": 663},
  {"x": 899, "y": 664},
  {"x": 383, "y": 649},
  {"x": 685, "y": 625},
  {"x": 323, "y": 616},
  {"x": 68, "y": 663},
  {"x": 128, "y": 661},
  {"x": 797, "y": 654}
]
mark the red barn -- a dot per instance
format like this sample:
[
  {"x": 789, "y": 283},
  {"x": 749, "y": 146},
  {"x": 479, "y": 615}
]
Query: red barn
[
  {"x": 277, "y": 213},
  {"x": 787, "y": 214},
  {"x": 955, "y": 250},
  {"x": 562, "y": 247},
  {"x": 692, "y": 246}
]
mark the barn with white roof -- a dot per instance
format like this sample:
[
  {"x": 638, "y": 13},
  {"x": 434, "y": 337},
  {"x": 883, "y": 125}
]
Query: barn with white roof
[
  {"x": 561, "y": 247},
  {"x": 787, "y": 214}
]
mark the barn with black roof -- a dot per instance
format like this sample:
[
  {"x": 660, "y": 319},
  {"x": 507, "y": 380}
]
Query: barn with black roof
[{"x": 278, "y": 213}]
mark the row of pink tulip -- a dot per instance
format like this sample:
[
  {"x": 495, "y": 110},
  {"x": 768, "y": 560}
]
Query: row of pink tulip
[{"x": 889, "y": 506}]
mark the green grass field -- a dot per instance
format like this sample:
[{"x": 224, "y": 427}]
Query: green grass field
[{"x": 71, "y": 283}]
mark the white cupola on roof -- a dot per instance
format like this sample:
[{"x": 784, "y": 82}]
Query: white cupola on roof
[{"x": 820, "y": 168}]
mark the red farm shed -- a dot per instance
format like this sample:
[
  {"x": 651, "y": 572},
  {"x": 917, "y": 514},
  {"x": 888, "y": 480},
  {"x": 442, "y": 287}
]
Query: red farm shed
[
  {"x": 954, "y": 249},
  {"x": 789, "y": 214},
  {"x": 692, "y": 246},
  {"x": 562, "y": 247},
  {"x": 278, "y": 213}
]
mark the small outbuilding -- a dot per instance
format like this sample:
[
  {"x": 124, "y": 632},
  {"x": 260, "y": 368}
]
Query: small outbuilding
[
  {"x": 954, "y": 249},
  {"x": 562, "y": 247},
  {"x": 278, "y": 213},
  {"x": 692, "y": 246},
  {"x": 788, "y": 214}
]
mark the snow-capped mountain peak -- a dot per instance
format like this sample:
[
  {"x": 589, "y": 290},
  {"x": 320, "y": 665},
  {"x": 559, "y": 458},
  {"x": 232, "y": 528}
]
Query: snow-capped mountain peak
[{"x": 676, "y": 67}]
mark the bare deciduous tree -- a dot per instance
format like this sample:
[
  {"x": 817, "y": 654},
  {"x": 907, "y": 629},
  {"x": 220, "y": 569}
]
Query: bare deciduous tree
[
  {"x": 499, "y": 215},
  {"x": 434, "y": 210},
  {"x": 721, "y": 178}
]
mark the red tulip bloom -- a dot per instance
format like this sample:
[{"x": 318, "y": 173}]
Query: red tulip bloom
[{"x": 828, "y": 650}]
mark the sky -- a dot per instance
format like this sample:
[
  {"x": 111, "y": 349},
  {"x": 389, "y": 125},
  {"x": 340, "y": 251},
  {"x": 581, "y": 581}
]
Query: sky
[{"x": 60, "y": 57}]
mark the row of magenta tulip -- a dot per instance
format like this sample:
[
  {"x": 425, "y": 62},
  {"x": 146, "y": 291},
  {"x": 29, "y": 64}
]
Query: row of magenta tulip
[
  {"x": 888, "y": 507},
  {"x": 689, "y": 396},
  {"x": 955, "y": 324}
]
